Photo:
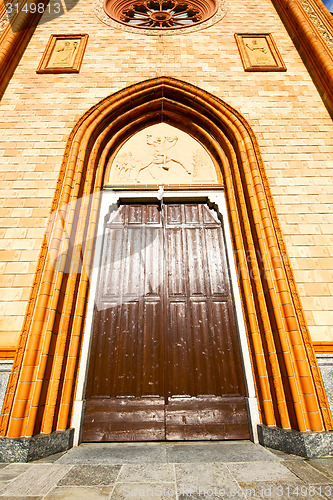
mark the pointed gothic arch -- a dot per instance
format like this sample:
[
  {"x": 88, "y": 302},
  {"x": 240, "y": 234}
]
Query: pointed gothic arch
[{"x": 41, "y": 388}]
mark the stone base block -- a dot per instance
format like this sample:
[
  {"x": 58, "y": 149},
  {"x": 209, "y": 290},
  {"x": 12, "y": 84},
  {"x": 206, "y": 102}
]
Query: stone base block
[
  {"x": 35, "y": 447},
  {"x": 304, "y": 444},
  {"x": 325, "y": 362},
  {"x": 5, "y": 369}
]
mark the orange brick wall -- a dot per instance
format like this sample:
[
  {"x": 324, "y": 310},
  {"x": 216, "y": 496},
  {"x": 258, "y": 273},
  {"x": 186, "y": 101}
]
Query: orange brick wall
[{"x": 285, "y": 111}]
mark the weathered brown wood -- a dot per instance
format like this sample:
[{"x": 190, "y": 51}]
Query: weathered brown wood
[
  {"x": 206, "y": 418},
  {"x": 165, "y": 361},
  {"x": 124, "y": 419},
  {"x": 203, "y": 354}
]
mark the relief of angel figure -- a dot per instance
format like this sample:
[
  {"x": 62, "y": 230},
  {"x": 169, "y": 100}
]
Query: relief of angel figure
[
  {"x": 64, "y": 53},
  {"x": 125, "y": 167},
  {"x": 259, "y": 53},
  {"x": 163, "y": 166}
]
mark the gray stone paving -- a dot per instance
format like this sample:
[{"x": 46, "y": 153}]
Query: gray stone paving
[{"x": 179, "y": 471}]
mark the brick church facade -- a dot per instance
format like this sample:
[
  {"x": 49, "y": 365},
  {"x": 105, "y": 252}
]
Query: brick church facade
[{"x": 167, "y": 224}]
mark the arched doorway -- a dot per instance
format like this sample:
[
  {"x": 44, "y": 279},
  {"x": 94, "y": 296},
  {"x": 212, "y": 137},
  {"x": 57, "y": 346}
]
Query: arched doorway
[
  {"x": 42, "y": 385},
  {"x": 164, "y": 362}
]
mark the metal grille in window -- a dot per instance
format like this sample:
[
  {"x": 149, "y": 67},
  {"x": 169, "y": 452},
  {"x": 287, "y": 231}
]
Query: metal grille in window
[{"x": 160, "y": 14}]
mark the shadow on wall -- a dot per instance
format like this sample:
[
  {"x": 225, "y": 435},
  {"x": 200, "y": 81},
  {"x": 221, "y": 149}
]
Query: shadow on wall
[{"x": 48, "y": 11}]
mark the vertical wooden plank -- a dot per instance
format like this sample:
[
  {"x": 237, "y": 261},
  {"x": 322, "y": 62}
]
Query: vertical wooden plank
[
  {"x": 173, "y": 213},
  {"x": 176, "y": 274},
  {"x": 154, "y": 279},
  {"x": 196, "y": 262},
  {"x": 152, "y": 352},
  {"x": 216, "y": 261},
  {"x": 192, "y": 213},
  {"x": 179, "y": 369},
  {"x": 204, "y": 373}
]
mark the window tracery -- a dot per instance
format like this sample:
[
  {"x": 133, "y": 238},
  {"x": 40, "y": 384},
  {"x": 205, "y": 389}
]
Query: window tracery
[{"x": 160, "y": 14}]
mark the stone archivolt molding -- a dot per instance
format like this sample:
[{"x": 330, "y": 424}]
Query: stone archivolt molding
[
  {"x": 210, "y": 10},
  {"x": 310, "y": 25},
  {"x": 288, "y": 382},
  {"x": 323, "y": 347},
  {"x": 321, "y": 18}
]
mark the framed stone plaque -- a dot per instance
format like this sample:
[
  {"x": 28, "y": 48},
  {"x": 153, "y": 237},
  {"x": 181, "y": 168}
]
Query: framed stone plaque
[
  {"x": 259, "y": 52},
  {"x": 63, "y": 54}
]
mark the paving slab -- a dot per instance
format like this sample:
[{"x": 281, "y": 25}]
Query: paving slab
[
  {"x": 221, "y": 452},
  {"x": 147, "y": 473},
  {"x": 306, "y": 472},
  {"x": 260, "y": 471},
  {"x": 3, "y": 484},
  {"x": 282, "y": 455},
  {"x": 91, "y": 475},
  {"x": 12, "y": 471},
  {"x": 214, "y": 493},
  {"x": 79, "y": 493},
  {"x": 51, "y": 459},
  {"x": 215, "y": 496},
  {"x": 151, "y": 491},
  {"x": 114, "y": 454},
  {"x": 274, "y": 490},
  {"x": 29, "y": 497},
  {"x": 324, "y": 465},
  {"x": 201, "y": 479},
  {"x": 176, "y": 470},
  {"x": 36, "y": 481},
  {"x": 326, "y": 490}
]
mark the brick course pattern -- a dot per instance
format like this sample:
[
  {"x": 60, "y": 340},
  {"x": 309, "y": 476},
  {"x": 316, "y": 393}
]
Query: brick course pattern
[{"x": 291, "y": 123}]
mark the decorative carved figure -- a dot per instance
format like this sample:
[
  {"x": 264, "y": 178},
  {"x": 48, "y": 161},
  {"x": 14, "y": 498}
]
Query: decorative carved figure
[
  {"x": 125, "y": 167},
  {"x": 161, "y": 154},
  {"x": 160, "y": 146},
  {"x": 258, "y": 51},
  {"x": 63, "y": 53}
]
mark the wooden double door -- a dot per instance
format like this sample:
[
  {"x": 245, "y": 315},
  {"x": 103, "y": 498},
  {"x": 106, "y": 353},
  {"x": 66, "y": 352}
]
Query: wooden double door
[{"x": 165, "y": 361}]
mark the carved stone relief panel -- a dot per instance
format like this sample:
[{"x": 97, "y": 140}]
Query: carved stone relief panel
[
  {"x": 259, "y": 52},
  {"x": 162, "y": 155},
  {"x": 322, "y": 20},
  {"x": 63, "y": 54}
]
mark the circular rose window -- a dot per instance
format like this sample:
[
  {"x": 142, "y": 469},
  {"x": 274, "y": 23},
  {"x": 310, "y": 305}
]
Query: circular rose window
[{"x": 160, "y": 14}]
